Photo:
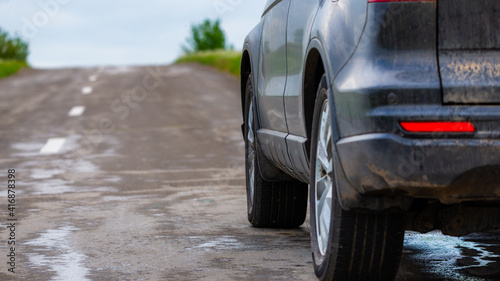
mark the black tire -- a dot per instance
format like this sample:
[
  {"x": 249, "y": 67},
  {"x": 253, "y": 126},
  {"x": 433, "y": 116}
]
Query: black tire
[
  {"x": 360, "y": 245},
  {"x": 271, "y": 204}
]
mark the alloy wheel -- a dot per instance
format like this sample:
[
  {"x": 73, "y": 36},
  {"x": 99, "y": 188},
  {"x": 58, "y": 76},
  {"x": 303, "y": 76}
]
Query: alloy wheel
[
  {"x": 251, "y": 155},
  {"x": 324, "y": 178}
]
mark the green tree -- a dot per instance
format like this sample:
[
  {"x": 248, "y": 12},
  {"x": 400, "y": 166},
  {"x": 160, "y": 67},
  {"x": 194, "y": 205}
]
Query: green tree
[
  {"x": 205, "y": 36},
  {"x": 12, "y": 48}
]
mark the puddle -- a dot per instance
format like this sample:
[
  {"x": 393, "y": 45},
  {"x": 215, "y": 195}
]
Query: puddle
[
  {"x": 26, "y": 149},
  {"x": 442, "y": 253},
  {"x": 218, "y": 243},
  {"x": 52, "y": 186},
  {"x": 93, "y": 78},
  {"x": 39, "y": 174},
  {"x": 123, "y": 198},
  {"x": 67, "y": 263},
  {"x": 114, "y": 70},
  {"x": 176, "y": 70},
  {"x": 58, "y": 177}
]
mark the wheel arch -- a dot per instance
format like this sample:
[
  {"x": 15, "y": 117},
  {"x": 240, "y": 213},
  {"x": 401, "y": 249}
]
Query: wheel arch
[
  {"x": 316, "y": 65},
  {"x": 314, "y": 68},
  {"x": 245, "y": 70}
]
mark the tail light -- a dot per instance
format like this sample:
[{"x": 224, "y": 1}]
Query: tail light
[
  {"x": 438, "y": 127},
  {"x": 378, "y": 1}
]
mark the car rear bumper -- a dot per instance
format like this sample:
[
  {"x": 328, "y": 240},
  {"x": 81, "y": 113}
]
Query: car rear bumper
[{"x": 451, "y": 170}]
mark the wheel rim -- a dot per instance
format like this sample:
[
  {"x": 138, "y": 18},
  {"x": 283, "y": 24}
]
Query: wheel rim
[
  {"x": 324, "y": 178},
  {"x": 250, "y": 156}
]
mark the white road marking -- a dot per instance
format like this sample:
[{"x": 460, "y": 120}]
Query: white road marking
[
  {"x": 87, "y": 90},
  {"x": 53, "y": 146},
  {"x": 93, "y": 78},
  {"x": 76, "y": 111}
]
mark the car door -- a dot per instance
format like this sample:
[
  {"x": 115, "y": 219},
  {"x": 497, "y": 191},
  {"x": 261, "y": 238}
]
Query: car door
[
  {"x": 300, "y": 19},
  {"x": 272, "y": 66}
]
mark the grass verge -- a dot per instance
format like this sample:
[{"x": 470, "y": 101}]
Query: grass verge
[
  {"x": 227, "y": 61},
  {"x": 9, "y": 67}
]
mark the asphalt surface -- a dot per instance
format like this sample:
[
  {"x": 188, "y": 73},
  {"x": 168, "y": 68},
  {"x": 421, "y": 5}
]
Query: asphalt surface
[{"x": 144, "y": 180}]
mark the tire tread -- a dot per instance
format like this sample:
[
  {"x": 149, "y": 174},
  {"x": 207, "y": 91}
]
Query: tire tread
[
  {"x": 370, "y": 236},
  {"x": 281, "y": 205}
]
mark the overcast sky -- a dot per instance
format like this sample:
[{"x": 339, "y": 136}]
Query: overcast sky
[{"x": 66, "y": 33}]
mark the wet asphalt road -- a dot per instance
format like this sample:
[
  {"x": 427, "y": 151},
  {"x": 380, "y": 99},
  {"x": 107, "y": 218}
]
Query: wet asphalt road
[{"x": 144, "y": 180}]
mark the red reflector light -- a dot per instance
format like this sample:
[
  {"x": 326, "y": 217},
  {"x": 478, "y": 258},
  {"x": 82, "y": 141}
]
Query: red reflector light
[
  {"x": 440, "y": 127},
  {"x": 379, "y": 1}
]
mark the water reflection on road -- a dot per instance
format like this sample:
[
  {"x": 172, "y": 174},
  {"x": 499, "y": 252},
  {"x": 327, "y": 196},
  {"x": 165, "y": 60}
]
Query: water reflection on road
[{"x": 472, "y": 257}]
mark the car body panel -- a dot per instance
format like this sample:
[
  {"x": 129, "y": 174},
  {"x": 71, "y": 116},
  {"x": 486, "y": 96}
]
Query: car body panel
[
  {"x": 385, "y": 69},
  {"x": 470, "y": 76},
  {"x": 272, "y": 68},
  {"x": 339, "y": 25},
  {"x": 274, "y": 147},
  {"x": 338, "y": 16},
  {"x": 469, "y": 51},
  {"x": 300, "y": 20},
  {"x": 451, "y": 170},
  {"x": 297, "y": 151}
]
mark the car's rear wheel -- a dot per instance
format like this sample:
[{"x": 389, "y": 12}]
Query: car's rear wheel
[
  {"x": 347, "y": 245},
  {"x": 280, "y": 204}
]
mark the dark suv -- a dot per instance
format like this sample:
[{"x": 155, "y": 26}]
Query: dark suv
[{"x": 388, "y": 110}]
